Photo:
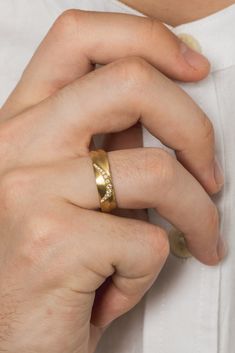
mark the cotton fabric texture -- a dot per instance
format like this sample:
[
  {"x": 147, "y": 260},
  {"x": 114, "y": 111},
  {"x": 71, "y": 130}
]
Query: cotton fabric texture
[{"x": 191, "y": 307}]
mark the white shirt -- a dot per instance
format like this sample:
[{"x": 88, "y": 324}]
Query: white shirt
[{"x": 191, "y": 307}]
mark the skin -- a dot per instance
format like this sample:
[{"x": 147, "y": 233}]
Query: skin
[
  {"x": 177, "y": 12},
  {"x": 67, "y": 270}
]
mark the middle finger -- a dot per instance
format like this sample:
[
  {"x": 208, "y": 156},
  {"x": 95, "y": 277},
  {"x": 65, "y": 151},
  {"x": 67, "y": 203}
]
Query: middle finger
[{"x": 117, "y": 96}]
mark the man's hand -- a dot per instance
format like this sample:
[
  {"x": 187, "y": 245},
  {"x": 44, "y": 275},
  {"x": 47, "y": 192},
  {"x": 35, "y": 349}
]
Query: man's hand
[{"x": 56, "y": 250}]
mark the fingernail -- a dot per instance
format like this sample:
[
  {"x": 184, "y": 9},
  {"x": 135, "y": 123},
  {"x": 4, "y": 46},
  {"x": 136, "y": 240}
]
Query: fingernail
[
  {"x": 193, "y": 58},
  {"x": 222, "y": 248},
  {"x": 219, "y": 175}
]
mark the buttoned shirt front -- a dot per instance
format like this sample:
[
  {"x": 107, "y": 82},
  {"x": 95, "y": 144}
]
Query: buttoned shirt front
[{"x": 191, "y": 307}]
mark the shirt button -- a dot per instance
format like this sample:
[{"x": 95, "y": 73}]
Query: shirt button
[
  {"x": 190, "y": 41},
  {"x": 178, "y": 245}
]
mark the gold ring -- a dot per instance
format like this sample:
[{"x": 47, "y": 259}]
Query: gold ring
[{"x": 103, "y": 180}]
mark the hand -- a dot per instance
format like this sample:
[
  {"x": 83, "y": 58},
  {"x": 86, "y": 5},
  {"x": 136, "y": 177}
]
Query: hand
[{"x": 55, "y": 249}]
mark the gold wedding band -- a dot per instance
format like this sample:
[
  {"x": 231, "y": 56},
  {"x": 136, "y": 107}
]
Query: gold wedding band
[{"x": 103, "y": 180}]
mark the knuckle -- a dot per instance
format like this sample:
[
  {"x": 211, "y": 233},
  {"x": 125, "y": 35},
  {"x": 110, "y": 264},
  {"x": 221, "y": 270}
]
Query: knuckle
[
  {"x": 156, "y": 30},
  {"x": 5, "y": 143},
  {"x": 213, "y": 219},
  {"x": 159, "y": 241},
  {"x": 69, "y": 16},
  {"x": 42, "y": 228},
  {"x": 41, "y": 233},
  {"x": 68, "y": 23},
  {"x": 153, "y": 27},
  {"x": 9, "y": 133},
  {"x": 14, "y": 186},
  {"x": 133, "y": 71},
  {"x": 208, "y": 129},
  {"x": 159, "y": 169},
  {"x": 158, "y": 245}
]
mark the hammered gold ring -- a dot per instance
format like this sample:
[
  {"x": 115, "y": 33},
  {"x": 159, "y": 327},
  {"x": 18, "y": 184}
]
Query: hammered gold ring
[{"x": 103, "y": 180}]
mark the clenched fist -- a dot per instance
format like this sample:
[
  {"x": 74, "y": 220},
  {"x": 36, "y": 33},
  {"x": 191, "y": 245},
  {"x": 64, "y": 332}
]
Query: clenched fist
[{"x": 57, "y": 252}]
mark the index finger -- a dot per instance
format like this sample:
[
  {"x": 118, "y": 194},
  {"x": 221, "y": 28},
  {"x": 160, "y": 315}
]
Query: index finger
[{"x": 80, "y": 39}]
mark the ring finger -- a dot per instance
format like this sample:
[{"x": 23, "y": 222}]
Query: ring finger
[
  {"x": 112, "y": 99},
  {"x": 146, "y": 178}
]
